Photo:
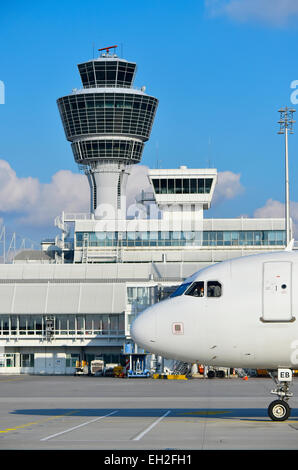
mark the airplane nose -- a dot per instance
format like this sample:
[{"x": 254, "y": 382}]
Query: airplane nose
[{"x": 144, "y": 328}]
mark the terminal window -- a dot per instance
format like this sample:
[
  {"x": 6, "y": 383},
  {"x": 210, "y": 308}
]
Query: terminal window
[
  {"x": 27, "y": 360},
  {"x": 141, "y": 296},
  {"x": 185, "y": 238},
  {"x": 70, "y": 325},
  {"x": 71, "y": 359}
]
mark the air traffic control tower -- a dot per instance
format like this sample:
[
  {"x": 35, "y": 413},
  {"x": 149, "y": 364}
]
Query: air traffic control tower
[{"x": 107, "y": 123}]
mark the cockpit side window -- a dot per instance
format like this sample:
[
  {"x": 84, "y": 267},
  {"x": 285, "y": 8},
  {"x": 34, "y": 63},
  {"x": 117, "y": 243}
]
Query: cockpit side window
[
  {"x": 181, "y": 289},
  {"x": 196, "y": 289},
  {"x": 214, "y": 289}
]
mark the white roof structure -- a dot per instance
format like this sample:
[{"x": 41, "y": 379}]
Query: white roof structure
[{"x": 183, "y": 186}]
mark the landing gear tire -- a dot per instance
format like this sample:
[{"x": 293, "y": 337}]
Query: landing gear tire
[{"x": 279, "y": 410}]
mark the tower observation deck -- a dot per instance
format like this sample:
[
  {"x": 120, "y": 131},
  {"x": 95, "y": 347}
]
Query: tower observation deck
[{"x": 107, "y": 123}]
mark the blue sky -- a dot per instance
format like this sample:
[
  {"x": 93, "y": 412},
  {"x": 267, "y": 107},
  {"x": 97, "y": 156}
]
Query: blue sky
[{"x": 219, "y": 68}]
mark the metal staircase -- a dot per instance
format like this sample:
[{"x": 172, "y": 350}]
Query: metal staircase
[
  {"x": 65, "y": 230},
  {"x": 181, "y": 368}
]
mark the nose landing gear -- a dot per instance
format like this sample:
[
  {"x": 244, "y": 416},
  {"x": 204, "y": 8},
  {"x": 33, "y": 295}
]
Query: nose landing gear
[{"x": 279, "y": 410}]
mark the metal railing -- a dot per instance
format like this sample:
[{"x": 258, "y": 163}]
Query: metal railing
[
  {"x": 71, "y": 217},
  {"x": 60, "y": 333}
]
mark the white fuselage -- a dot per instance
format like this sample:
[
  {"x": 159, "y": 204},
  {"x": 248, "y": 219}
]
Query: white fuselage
[{"x": 253, "y": 323}]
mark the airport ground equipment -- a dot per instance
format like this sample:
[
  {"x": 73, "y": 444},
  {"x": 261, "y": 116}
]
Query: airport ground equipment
[
  {"x": 81, "y": 368},
  {"x": 170, "y": 376},
  {"x": 136, "y": 365},
  {"x": 182, "y": 368},
  {"x": 262, "y": 373},
  {"x": 251, "y": 372},
  {"x": 219, "y": 372},
  {"x": 109, "y": 369},
  {"x": 97, "y": 367},
  {"x": 119, "y": 371}
]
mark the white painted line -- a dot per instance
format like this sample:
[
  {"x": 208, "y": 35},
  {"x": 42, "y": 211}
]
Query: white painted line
[
  {"x": 77, "y": 427},
  {"x": 142, "y": 434}
]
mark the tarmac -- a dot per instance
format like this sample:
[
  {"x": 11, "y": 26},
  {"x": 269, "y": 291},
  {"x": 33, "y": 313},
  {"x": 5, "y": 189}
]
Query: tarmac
[{"x": 92, "y": 413}]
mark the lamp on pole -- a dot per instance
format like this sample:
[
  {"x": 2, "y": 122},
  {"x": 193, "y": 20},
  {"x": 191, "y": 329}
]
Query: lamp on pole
[{"x": 286, "y": 126}]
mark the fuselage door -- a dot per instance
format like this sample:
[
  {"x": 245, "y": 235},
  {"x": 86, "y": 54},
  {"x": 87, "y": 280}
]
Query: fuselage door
[{"x": 277, "y": 291}]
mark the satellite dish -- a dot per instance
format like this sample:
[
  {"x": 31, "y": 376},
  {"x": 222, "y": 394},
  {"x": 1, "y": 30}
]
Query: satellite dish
[{"x": 143, "y": 88}]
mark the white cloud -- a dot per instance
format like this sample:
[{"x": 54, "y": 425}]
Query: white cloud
[
  {"x": 67, "y": 192},
  {"x": 137, "y": 182},
  {"x": 38, "y": 202},
  {"x": 16, "y": 193},
  {"x": 276, "y": 209},
  {"x": 228, "y": 186},
  {"x": 270, "y": 209},
  {"x": 273, "y": 12}
]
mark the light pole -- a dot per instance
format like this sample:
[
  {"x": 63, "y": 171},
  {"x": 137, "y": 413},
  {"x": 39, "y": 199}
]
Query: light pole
[{"x": 286, "y": 126}]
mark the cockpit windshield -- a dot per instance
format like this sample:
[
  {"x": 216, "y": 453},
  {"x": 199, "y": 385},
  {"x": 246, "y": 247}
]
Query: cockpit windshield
[
  {"x": 213, "y": 289},
  {"x": 196, "y": 290},
  {"x": 181, "y": 289},
  {"x": 199, "y": 289}
]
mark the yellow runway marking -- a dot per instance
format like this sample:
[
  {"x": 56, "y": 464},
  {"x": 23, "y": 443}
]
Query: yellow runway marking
[
  {"x": 22, "y": 426},
  {"x": 12, "y": 380}
]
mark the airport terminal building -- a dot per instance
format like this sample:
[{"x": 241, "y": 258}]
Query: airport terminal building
[{"x": 76, "y": 298}]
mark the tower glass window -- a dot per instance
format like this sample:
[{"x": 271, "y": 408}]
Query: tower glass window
[
  {"x": 182, "y": 185},
  {"x": 107, "y": 73}
]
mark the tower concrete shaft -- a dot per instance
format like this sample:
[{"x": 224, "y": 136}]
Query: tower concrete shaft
[{"x": 107, "y": 123}]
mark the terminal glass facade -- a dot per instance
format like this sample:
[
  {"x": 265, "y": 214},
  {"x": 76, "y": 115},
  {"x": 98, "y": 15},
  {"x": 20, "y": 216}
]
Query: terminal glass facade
[
  {"x": 186, "y": 238},
  {"x": 141, "y": 296},
  {"x": 69, "y": 325}
]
